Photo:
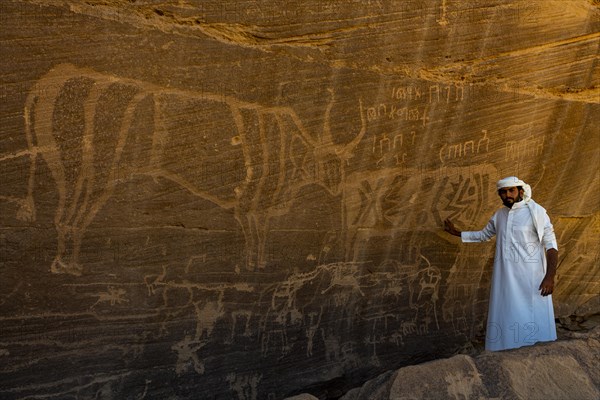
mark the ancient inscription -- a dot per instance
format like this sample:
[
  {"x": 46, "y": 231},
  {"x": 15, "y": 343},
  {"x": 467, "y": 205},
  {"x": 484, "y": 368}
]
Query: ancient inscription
[{"x": 465, "y": 150}]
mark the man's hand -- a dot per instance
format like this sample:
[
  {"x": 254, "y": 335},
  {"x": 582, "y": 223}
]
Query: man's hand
[
  {"x": 547, "y": 285},
  {"x": 450, "y": 228}
]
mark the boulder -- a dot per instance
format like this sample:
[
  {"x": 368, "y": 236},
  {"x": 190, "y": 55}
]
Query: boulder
[
  {"x": 303, "y": 396},
  {"x": 566, "y": 369}
]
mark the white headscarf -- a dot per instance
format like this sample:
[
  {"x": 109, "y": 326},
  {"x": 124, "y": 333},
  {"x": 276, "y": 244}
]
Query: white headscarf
[
  {"x": 537, "y": 212},
  {"x": 513, "y": 181}
]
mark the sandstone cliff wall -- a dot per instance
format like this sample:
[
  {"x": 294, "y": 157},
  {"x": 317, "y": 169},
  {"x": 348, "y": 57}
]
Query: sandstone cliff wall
[{"x": 240, "y": 199}]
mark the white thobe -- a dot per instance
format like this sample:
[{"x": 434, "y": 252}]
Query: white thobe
[{"x": 518, "y": 314}]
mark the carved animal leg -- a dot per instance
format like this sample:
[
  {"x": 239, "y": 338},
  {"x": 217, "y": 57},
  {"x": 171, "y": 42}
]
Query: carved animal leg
[
  {"x": 244, "y": 221},
  {"x": 41, "y": 103},
  {"x": 57, "y": 264},
  {"x": 254, "y": 228},
  {"x": 349, "y": 242},
  {"x": 350, "y": 226},
  {"x": 67, "y": 216},
  {"x": 262, "y": 228},
  {"x": 88, "y": 214},
  {"x": 65, "y": 235},
  {"x": 27, "y": 210}
]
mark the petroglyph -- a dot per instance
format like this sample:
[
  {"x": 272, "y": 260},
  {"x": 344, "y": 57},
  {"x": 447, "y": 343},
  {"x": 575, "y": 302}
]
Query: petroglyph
[
  {"x": 7, "y": 296},
  {"x": 187, "y": 356},
  {"x": 112, "y": 296},
  {"x": 395, "y": 198},
  {"x": 278, "y": 154},
  {"x": 443, "y": 21},
  {"x": 344, "y": 275},
  {"x": 244, "y": 386},
  {"x": 311, "y": 330},
  {"x": 244, "y": 316},
  {"x": 447, "y": 94},
  {"x": 580, "y": 235},
  {"x": 394, "y": 149},
  {"x": 231, "y": 217},
  {"x": 146, "y": 386},
  {"x": 524, "y": 149},
  {"x": 393, "y": 112},
  {"x": 456, "y": 309},
  {"x": 468, "y": 149},
  {"x": 332, "y": 346},
  {"x": 204, "y": 301},
  {"x": 429, "y": 282},
  {"x": 207, "y": 314},
  {"x": 152, "y": 281},
  {"x": 460, "y": 386},
  {"x": 345, "y": 285},
  {"x": 283, "y": 312}
]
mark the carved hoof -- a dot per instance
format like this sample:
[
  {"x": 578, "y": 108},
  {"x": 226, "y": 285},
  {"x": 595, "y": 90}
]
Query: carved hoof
[
  {"x": 163, "y": 331},
  {"x": 253, "y": 265},
  {"x": 59, "y": 267},
  {"x": 26, "y": 211}
]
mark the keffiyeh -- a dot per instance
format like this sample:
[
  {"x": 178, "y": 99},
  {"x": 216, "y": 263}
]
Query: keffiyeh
[
  {"x": 537, "y": 211},
  {"x": 513, "y": 181}
]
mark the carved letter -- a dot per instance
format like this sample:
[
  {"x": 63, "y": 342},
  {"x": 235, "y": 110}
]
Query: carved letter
[
  {"x": 462, "y": 92},
  {"x": 371, "y": 113},
  {"x": 457, "y": 150},
  {"x": 482, "y": 139},
  {"x": 472, "y": 143},
  {"x": 437, "y": 91},
  {"x": 396, "y": 139},
  {"x": 418, "y": 93},
  {"x": 386, "y": 140},
  {"x": 442, "y": 153}
]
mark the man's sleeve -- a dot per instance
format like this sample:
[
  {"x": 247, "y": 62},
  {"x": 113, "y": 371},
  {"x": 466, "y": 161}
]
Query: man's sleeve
[
  {"x": 480, "y": 236},
  {"x": 549, "y": 238}
]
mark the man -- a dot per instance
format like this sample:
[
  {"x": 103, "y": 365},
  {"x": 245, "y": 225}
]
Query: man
[{"x": 520, "y": 310}]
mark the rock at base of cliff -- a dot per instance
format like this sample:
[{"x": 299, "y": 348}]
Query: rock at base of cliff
[{"x": 557, "y": 370}]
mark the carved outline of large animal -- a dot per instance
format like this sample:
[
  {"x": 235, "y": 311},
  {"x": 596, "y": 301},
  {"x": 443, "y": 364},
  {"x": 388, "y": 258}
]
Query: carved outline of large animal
[{"x": 72, "y": 219}]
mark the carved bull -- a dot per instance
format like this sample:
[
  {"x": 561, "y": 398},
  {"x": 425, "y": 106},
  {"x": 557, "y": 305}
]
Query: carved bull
[{"x": 242, "y": 156}]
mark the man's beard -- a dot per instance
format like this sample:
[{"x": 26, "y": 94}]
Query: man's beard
[{"x": 508, "y": 202}]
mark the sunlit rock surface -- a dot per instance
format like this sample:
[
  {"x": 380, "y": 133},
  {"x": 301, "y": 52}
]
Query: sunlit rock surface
[{"x": 240, "y": 199}]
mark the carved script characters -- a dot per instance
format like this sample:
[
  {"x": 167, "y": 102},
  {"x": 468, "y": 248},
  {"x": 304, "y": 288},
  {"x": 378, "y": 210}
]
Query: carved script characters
[
  {"x": 469, "y": 148},
  {"x": 520, "y": 150}
]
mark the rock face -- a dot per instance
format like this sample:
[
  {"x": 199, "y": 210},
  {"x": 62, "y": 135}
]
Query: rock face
[
  {"x": 561, "y": 370},
  {"x": 239, "y": 199}
]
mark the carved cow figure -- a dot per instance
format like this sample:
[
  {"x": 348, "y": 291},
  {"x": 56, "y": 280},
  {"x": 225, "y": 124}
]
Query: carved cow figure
[{"x": 94, "y": 131}]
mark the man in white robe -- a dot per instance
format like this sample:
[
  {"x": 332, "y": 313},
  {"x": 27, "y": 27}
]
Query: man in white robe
[{"x": 520, "y": 309}]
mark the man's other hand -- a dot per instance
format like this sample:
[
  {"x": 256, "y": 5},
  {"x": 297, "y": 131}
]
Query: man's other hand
[{"x": 547, "y": 285}]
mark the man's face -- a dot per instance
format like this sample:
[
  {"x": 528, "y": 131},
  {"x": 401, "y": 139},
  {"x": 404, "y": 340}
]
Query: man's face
[{"x": 510, "y": 195}]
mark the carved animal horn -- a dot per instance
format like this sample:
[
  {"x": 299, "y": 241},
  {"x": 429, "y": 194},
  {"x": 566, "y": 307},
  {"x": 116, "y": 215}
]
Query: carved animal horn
[
  {"x": 327, "y": 139},
  {"x": 347, "y": 150}
]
